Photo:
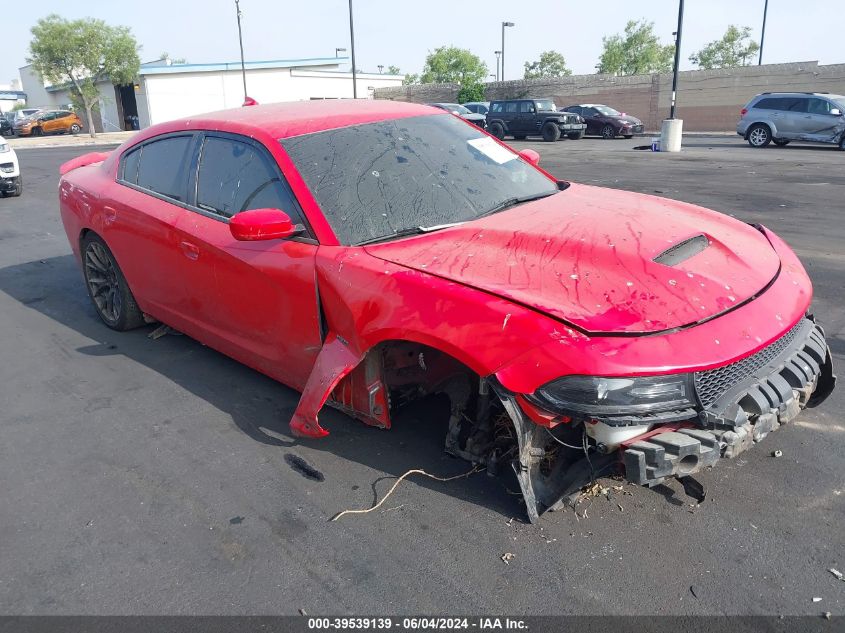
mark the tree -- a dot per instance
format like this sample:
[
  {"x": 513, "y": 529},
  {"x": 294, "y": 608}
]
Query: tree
[
  {"x": 393, "y": 70},
  {"x": 172, "y": 60},
  {"x": 81, "y": 53},
  {"x": 736, "y": 48},
  {"x": 449, "y": 64},
  {"x": 411, "y": 79},
  {"x": 550, "y": 64},
  {"x": 637, "y": 52}
]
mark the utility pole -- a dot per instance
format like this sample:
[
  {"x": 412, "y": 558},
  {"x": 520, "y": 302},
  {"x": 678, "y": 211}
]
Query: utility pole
[
  {"x": 677, "y": 57},
  {"x": 241, "y": 42},
  {"x": 497, "y": 53},
  {"x": 352, "y": 40},
  {"x": 504, "y": 24},
  {"x": 763, "y": 34}
]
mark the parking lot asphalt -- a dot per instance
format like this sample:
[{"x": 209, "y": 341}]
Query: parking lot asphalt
[{"x": 142, "y": 476}]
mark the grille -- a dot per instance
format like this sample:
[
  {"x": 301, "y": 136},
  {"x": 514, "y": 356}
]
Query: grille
[{"x": 711, "y": 384}]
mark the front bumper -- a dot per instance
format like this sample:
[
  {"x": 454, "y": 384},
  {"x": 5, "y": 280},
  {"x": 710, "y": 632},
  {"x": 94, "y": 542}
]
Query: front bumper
[
  {"x": 739, "y": 405},
  {"x": 572, "y": 127},
  {"x": 8, "y": 184}
]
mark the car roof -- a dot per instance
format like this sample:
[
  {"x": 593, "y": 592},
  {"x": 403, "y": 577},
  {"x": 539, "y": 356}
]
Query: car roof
[
  {"x": 803, "y": 94},
  {"x": 283, "y": 120}
]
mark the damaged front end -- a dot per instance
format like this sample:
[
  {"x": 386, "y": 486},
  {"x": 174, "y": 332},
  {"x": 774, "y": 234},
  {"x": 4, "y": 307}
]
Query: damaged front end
[{"x": 720, "y": 413}]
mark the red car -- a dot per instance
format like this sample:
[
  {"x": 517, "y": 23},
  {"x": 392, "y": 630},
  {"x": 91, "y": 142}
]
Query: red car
[{"x": 371, "y": 253}]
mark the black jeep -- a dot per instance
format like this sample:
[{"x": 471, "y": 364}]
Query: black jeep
[{"x": 523, "y": 117}]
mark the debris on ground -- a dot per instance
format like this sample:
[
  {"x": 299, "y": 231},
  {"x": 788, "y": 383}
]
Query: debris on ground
[
  {"x": 817, "y": 599},
  {"x": 302, "y": 612},
  {"x": 827, "y": 615},
  {"x": 838, "y": 574},
  {"x": 507, "y": 557},
  {"x": 777, "y": 453},
  {"x": 163, "y": 330},
  {"x": 414, "y": 471}
]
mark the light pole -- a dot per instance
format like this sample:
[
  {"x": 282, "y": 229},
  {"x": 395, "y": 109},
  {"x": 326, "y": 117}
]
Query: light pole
[
  {"x": 677, "y": 57},
  {"x": 380, "y": 68},
  {"x": 763, "y": 34},
  {"x": 339, "y": 50},
  {"x": 352, "y": 41},
  {"x": 498, "y": 53},
  {"x": 504, "y": 24},
  {"x": 241, "y": 42}
]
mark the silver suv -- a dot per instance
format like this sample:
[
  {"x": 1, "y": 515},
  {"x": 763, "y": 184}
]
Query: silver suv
[{"x": 781, "y": 117}]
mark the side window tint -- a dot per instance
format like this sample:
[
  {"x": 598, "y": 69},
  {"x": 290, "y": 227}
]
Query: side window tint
[
  {"x": 510, "y": 106},
  {"x": 164, "y": 166},
  {"x": 235, "y": 177},
  {"x": 496, "y": 108},
  {"x": 129, "y": 166},
  {"x": 819, "y": 106},
  {"x": 795, "y": 104},
  {"x": 526, "y": 106},
  {"x": 767, "y": 104}
]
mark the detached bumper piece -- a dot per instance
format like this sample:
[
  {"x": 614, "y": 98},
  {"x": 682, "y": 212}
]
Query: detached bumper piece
[{"x": 741, "y": 404}]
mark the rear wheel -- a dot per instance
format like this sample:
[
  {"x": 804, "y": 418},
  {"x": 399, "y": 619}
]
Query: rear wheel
[
  {"x": 107, "y": 286},
  {"x": 576, "y": 136},
  {"x": 550, "y": 132},
  {"x": 759, "y": 135},
  {"x": 608, "y": 131},
  {"x": 497, "y": 130},
  {"x": 780, "y": 142}
]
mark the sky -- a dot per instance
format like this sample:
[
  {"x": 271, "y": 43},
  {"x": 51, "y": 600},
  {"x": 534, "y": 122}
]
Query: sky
[{"x": 402, "y": 33}]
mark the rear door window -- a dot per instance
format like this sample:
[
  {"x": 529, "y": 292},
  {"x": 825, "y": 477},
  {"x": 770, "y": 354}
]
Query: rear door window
[
  {"x": 496, "y": 108},
  {"x": 235, "y": 176},
  {"x": 819, "y": 106},
  {"x": 769, "y": 103},
  {"x": 129, "y": 166},
  {"x": 164, "y": 167},
  {"x": 511, "y": 107}
]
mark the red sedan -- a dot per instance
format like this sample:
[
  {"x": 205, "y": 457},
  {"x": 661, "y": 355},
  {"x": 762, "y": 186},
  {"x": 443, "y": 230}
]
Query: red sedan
[{"x": 371, "y": 253}]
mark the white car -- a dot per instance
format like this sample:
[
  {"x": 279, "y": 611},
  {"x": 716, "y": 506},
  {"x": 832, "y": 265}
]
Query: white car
[{"x": 11, "y": 183}]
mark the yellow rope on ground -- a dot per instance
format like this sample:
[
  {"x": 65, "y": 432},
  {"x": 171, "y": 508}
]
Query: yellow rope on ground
[{"x": 414, "y": 471}]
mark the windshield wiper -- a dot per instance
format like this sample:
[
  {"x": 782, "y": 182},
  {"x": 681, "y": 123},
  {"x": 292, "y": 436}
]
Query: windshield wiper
[
  {"x": 512, "y": 202},
  {"x": 411, "y": 230}
]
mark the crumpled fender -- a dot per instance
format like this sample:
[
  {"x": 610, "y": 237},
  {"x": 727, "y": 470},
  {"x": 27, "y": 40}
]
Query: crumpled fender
[{"x": 333, "y": 363}]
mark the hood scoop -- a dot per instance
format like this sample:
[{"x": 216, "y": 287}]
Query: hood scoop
[{"x": 682, "y": 251}]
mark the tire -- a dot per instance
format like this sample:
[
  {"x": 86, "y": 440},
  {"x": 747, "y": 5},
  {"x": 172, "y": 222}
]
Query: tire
[
  {"x": 497, "y": 130},
  {"x": 608, "y": 131},
  {"x": 576, "y": 136},
  {"x": 759, "y": 135},
  {"x": 37, "y": 131},
  {"x": 519, "y": 137},
  {"x": 550, "y": 132},
  {"x": 75, "y": 128},
  {"x": 18, "y": 188},
  {"x": 842, "y": 142},
  {"x": 629, "y": 136},
  {"x": 780, "y": 142},
  {"x": 107, "y": 286}
]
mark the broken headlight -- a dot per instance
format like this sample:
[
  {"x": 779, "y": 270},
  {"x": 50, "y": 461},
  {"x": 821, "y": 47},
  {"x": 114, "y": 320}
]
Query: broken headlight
[{"x": 597, "y": 395}]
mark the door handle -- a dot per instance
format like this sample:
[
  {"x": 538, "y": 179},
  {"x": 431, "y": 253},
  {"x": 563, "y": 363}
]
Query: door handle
[
  {"x": 191, "y": 251},
  {"x": 109, "y": 215}
]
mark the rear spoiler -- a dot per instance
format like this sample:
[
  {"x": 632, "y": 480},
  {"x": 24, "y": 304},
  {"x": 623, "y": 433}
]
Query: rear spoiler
[{"x": 82, "y": 161}]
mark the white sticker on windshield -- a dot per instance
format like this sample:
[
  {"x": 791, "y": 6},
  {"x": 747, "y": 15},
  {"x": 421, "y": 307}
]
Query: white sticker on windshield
[{"x": 492, "y": 150}]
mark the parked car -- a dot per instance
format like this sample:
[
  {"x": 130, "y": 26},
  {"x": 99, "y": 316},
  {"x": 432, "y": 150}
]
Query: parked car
[
  {"x": 49, "y": 122},
  {"x": 11, "y": 183},
  {"x": 6, "y": 123},
  {"x": 781, "y": 117},
  {"x": 479, "y": 107},
  {"x": 532, "y": 117},
  {"x": 605, "y": 121},
  {"x": 461, "y": 111},
  {"x": 372, "y": 253}
]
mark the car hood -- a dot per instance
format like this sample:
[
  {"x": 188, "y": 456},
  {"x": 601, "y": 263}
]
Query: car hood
[
  {"x": 587, "y": 255},
  {"x": 625, "y": 117}
]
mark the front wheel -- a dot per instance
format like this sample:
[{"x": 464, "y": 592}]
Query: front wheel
[
  {"x": 107, "y": 286},
  {"x": 75, "y": 128},
  {"x": 759, "y": 135},
  {"x": 842, "y": 142},
  {"x": 550, "y": 132},
  {"x": 576, "y": 136},
  {"x": 18, "y": 187},
  {"x": 608, "y": 132},
  {"x": 37, "y": 131},
  {"x": 497, "y": 130}
]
